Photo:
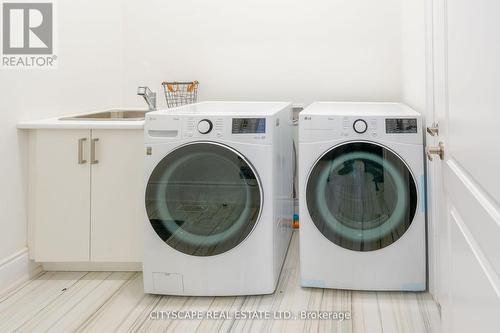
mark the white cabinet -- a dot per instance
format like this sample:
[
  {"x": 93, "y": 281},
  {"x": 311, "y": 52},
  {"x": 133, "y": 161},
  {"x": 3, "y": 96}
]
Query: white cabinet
[
  {"x": 59, "y": 197},
  {"x": 85, "y": 195},
  {"x": 117, "y": 212}
]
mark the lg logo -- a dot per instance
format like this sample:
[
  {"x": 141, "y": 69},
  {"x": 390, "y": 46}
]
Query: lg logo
[{"x": 27, "y": 28}]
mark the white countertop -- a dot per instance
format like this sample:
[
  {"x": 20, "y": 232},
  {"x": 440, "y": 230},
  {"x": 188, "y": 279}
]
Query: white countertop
[{"x": 57, "y": 123}]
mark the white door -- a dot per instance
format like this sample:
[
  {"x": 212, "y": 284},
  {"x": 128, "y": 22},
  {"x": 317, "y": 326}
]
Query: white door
[
  {"x": 59, "y": 176},
  {"x": 467, "y": 106},
  {"x": 117, "y": 188}
]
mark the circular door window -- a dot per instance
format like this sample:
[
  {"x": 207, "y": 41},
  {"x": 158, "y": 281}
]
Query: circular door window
[
  {"x": 203, "y": 199},
  {"x": 361, "y": 196}
]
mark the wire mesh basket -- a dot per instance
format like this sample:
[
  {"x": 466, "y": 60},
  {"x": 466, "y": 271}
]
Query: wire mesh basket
[{"x": 180, "y": 93}]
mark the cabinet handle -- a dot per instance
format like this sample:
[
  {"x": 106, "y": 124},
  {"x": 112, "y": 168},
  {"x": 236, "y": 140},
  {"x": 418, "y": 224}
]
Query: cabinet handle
[
  {"x": 93, "y": 160},
  {"x": 81, "y": 160}
]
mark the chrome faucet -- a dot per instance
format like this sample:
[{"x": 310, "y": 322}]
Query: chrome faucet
[{"x": 149, "y": 97}]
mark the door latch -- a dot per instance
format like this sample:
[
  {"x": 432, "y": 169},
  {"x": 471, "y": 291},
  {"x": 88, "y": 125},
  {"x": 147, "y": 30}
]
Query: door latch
[
  {"x": 433, "y": 130},
  {"x": 439, "y": 150}
]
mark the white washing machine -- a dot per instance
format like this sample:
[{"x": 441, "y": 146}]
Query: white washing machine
[
  {"x": 362, "y": 203},
  {"x": 218, "y": 198}
]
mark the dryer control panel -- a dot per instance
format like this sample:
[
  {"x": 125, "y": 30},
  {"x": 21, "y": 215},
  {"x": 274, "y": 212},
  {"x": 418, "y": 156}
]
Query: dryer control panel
[
  {"x": 360, "y": 121},
  {"x": 356, "y": 126},
  {"x": 322, "y": 127},
  {"x": 401, "y": 125}
]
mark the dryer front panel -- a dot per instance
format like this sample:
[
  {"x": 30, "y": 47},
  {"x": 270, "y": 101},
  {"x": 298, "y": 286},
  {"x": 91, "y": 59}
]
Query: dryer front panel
[
  {"x": 203, "y": 199},
  {"x": 361, "y": 196}
]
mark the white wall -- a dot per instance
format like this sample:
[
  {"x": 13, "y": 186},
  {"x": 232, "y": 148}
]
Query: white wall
[
  {"x": 266, "y": 49},
  {"x": 88, "y": 77},
  {"x": 413, "y": 54},
  {"x": 414, "y": 69}
]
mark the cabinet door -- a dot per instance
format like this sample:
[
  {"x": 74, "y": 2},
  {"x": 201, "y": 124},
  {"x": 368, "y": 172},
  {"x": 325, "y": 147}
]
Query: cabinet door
[
  {"x": 59, "y": 195},
  {"x": 117, "y": 207}
]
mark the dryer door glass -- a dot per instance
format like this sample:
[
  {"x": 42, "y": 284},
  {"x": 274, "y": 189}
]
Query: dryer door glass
[
  {"x": 203, "y": 199},
  {"x": 361, "y": 196}
]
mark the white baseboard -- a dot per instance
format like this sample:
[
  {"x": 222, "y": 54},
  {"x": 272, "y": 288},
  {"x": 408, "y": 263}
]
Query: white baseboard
[
  {"x": 15, "y": 270},
  {"x": 93, "y": 266}
]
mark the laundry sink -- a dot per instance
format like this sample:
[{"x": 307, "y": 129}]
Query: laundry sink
[{"x": 113, "y": 114}]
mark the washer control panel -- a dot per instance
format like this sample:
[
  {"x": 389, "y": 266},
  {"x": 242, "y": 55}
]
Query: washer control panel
[
  {"x": 202, "y": 127},
  {"x": 248, "y": 129},
  {"x": 171, "y": 127},
  {"x": 248, "y": 126}
]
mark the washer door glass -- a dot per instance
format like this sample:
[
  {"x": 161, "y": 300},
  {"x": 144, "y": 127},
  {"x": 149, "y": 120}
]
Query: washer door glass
[
  {"x": 361, "y": 196},
  {"x": 203, "y": 199}
]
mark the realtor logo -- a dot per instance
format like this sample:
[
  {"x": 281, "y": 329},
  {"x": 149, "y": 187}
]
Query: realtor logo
[{"x": 28, "y": 34}]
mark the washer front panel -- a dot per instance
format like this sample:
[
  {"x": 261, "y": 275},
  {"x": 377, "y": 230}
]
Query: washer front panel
[
  {"x": 203, "y": 199},
  {"x": 361, "y": 196}
]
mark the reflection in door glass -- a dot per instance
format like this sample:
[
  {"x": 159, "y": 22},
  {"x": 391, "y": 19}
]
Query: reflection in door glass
[
  {"x": 203, "y": 199},
  {"x": 361, "y": 196}
]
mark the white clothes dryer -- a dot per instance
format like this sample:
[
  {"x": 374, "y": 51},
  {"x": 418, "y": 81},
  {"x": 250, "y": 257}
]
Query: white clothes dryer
[{"x": 362, "y": 197}]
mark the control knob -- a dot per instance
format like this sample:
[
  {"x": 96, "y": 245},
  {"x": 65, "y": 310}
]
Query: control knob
[
  {"x": 205, "y": 126},
  {"x": 360, "y": 126}
]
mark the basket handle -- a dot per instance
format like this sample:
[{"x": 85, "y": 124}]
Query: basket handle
[
  {"x": 174, "y": 86},
  {"x": 170, "y": 87},
  {"x": 192, "y": 86}
]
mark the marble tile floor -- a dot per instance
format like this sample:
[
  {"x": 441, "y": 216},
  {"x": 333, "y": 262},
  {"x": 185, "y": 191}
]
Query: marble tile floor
[{"x": 115, "y": 302}]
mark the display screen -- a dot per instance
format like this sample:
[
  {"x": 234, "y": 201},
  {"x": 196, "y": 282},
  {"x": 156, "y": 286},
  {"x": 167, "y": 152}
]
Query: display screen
[
  {"x": 401, "y": 125},
  {"x": 249, "y": 125}
]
